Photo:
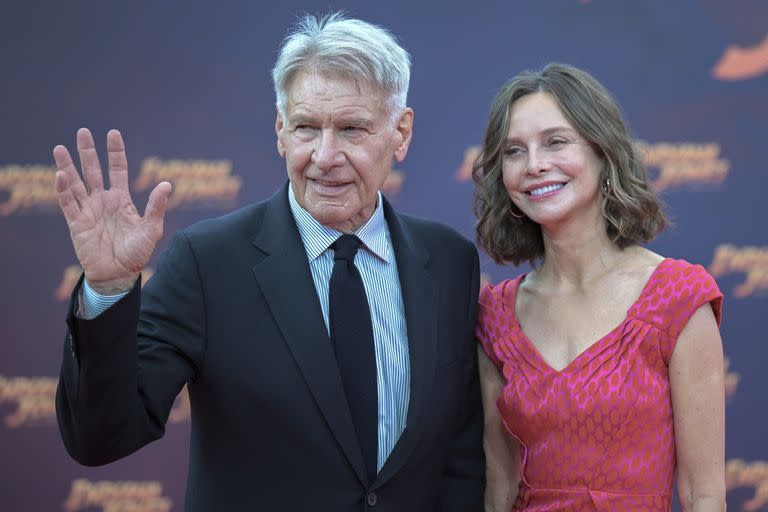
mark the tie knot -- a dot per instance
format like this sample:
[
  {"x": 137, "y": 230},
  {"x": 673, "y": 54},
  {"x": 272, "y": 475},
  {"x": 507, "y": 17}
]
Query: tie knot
[{"x": 345, "y": 247}]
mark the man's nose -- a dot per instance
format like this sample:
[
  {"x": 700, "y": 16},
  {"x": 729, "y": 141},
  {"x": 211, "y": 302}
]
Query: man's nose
[{"x": 327, "y": 153}]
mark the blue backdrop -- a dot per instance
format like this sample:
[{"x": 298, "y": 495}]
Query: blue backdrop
[{"x": 188, "y": 84}]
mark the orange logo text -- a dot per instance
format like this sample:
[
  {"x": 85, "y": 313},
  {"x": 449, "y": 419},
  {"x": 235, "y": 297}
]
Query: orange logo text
[
  {"x": 34, "y": 398},
  {"x": 678, "y": 164},
  {"x": 742, "y": 63},
  {"x": 739, "y": 473},
  {"x": 752, "y": 261},
  {"x": 27, "y": 187},
  {"x": 193, "y": 180},
  {"x": 120, "y": 496}
]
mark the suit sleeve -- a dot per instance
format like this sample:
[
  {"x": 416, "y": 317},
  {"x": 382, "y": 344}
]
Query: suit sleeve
[
  {"x": 122, "y": 370},
  {"x": 464, "y": 478}
]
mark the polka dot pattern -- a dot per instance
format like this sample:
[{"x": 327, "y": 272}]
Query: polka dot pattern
[{"x": 597, "y": 435}]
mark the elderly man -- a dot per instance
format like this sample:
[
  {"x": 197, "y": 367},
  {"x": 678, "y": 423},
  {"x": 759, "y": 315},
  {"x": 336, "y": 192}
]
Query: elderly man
[{"x": 326, "y": 340}]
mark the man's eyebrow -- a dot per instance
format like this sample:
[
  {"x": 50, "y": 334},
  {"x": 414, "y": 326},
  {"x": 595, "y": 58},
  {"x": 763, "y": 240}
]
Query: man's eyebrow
[
  {"x": 360, "y": 122},
  {"x": 300, "y": 119}
]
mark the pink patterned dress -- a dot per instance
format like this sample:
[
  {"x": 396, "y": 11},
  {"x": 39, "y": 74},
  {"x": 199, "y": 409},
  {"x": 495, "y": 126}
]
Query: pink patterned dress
[{"x": 597, "y": 435}]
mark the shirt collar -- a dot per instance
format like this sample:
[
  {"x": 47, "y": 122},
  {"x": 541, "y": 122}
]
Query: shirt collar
[{"x": 317, "y": 238}]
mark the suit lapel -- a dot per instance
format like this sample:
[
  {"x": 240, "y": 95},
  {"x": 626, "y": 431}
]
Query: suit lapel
[
  {"x": 420, "y": 301},
  {"x": 286, "y": 281}
]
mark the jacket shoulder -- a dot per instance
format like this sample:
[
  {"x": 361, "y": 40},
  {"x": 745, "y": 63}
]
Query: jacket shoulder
[
  {"x": 435, "y": 234},
  {"x": 243, "y": 223}
]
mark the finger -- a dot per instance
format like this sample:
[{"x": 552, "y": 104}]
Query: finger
[
  {"x": 118, "y": 163},
  {"x": 73, "y": 182},
  {"x": 89, "y": 160},
  {"x": 157, "y": 203},
  {"x": 67, "y": 201}
]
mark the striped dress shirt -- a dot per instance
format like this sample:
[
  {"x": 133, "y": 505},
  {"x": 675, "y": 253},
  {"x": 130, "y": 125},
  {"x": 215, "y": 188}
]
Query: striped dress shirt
[{"x": 378, "y": 269}]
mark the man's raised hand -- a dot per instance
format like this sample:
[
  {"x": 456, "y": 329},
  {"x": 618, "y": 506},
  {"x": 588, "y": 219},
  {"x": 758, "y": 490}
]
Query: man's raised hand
[{"x": 112, "y": 241}]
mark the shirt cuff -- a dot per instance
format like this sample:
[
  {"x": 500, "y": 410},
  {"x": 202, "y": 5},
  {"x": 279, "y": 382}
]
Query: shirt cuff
[{"x": 92, "y": 303}]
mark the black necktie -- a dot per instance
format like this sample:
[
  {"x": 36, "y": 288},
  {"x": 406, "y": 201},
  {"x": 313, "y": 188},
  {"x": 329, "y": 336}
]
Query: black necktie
[{"x": 352, "y": 335}]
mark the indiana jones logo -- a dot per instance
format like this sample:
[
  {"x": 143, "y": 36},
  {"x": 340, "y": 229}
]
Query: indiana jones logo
[
  {"x": 739, "y": 63},
  {"x": 194, "y": 181},
  {"x": 119, "y": 496},
  {"x": 26, "y": 187},
  {"x": 34, "y": 398},
  {"x": 678, "y": 164},
  {"x": 739, "y": 473},
  {"x": 752, "y": 261}
]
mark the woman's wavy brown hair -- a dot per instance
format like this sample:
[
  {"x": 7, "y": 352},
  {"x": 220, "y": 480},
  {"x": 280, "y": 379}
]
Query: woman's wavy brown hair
[{"x": 631, "y": 210}]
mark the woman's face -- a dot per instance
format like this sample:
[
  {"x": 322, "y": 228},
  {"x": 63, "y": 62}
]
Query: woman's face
[{"x": 551, "y": 173}]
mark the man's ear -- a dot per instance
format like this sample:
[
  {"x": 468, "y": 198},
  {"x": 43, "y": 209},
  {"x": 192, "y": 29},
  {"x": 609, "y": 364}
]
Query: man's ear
[
  {"x": 404, "y": 132},
  {"x": 280, "y": 131}
]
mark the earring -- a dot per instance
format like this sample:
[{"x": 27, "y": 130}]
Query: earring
[
  {"x": 512, "y": 213},
  {"x": 606, "y": 186}
]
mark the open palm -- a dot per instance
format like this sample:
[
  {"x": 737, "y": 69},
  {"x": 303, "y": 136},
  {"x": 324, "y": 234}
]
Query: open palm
[{"x": 112, "y": 241}]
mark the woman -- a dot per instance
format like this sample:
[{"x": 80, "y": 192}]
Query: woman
[{"x": 604, "y": 363}]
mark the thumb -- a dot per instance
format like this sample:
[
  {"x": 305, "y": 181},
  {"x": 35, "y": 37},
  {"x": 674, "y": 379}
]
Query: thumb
[{"x": 157, "y": 203}]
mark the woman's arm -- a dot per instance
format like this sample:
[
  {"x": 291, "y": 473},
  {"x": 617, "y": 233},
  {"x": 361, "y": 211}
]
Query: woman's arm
[
  {"x": 698, "y": 402},
  {"x": 502, "y": 451}
]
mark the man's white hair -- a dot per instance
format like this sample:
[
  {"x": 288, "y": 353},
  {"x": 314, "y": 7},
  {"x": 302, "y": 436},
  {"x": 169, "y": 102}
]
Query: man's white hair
[{"x": 350, "y": 48}]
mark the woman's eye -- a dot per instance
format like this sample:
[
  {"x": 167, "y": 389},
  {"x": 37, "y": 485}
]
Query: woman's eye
[
  {"x": 556, "y": 142},
  {"x": 512, "y": 151}
]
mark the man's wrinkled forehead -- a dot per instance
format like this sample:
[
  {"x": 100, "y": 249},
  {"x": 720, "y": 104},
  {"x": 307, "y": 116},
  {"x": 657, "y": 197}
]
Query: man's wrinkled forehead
[{"x": 324, "y": 73}]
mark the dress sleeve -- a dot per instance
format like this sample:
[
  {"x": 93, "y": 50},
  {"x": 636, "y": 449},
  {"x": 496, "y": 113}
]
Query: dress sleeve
[
  {"x": 487, "y": 330},
  {"x": 688, "y": 287}
]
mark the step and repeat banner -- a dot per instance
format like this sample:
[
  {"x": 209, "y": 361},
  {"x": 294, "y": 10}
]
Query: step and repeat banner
[{"x": 188, "y": 84}]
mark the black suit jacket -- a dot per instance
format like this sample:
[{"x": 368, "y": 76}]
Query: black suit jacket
[{"x": 232, "y": 312}]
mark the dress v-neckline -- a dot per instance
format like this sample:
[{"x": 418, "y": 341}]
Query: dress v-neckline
[{"x": 594, "y": 346}]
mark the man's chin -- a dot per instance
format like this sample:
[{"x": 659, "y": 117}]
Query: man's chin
[
  {"x": 331, "y": 215},
  {"x": 345, "y": 218}
]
